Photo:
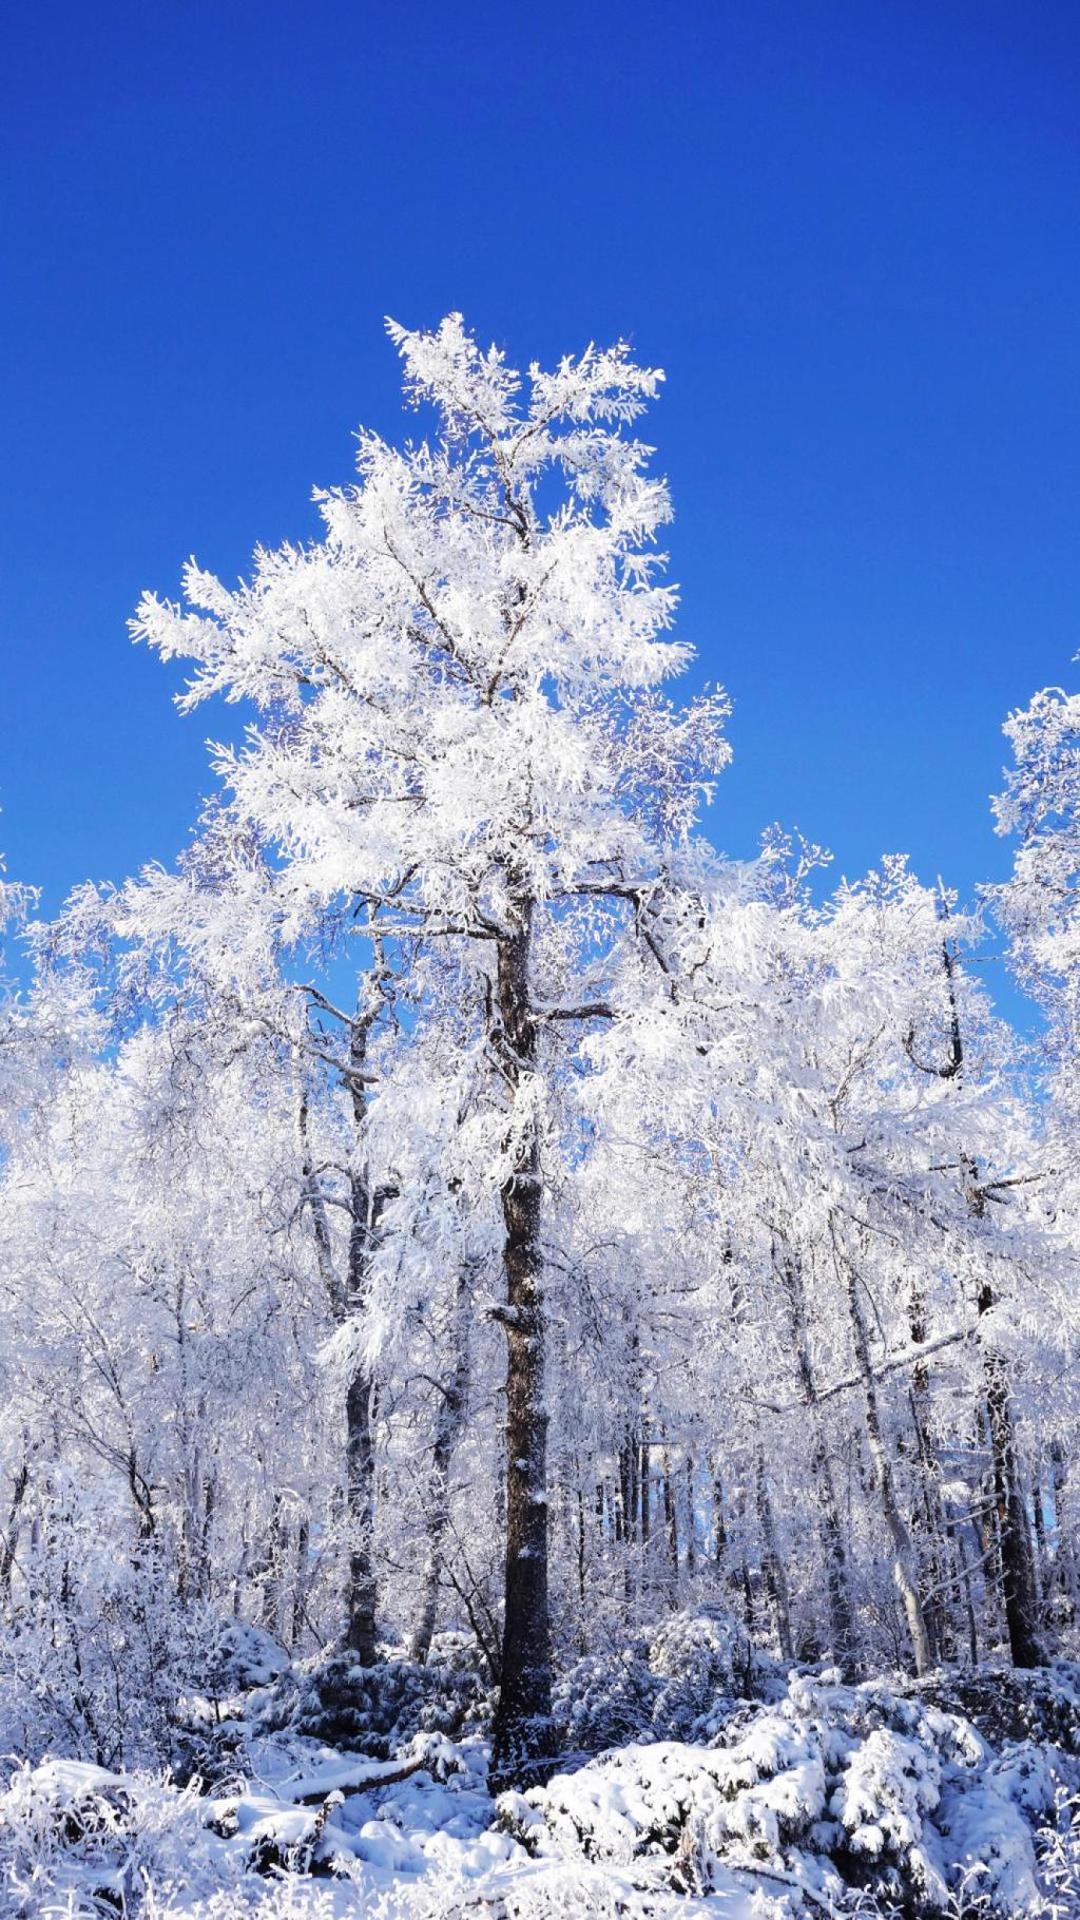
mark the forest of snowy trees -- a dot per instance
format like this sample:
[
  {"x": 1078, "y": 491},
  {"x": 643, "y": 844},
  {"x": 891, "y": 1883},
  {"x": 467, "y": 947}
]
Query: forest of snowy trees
[{"x": 488, "y": 1281}]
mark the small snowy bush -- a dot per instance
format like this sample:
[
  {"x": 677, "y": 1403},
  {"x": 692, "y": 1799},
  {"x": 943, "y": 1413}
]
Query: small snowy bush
[
  {"x": 706, "y": 1665},
  {"x": 1015, "y": 1704},
  {"x": 377, "y": 1710},
  {"x": 682, "y": 1682},
  {"x": 76, "y": 1839},
  {"x": 98, "y": 1662}
]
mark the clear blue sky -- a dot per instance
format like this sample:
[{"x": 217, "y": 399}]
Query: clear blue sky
[{"x": 851, "y": 233}]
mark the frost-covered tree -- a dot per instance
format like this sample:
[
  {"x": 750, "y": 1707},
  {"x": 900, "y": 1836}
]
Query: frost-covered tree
[
  {"x": 1039, "y": 908},
  {"x": 460, "y": 734},
  {"x": 1041, "y": 903}
]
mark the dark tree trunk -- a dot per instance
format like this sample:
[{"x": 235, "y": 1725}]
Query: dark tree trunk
[
  {"x": 1014, "y": 1540},
  {"x": 10, "y": 1539},
  {"x": 582, "y": 1568},
  {"x": 300, "y": 1583},
  {"x": 719, "y": 1535},
  {"x": 1014, "y": 1544},
  {"x": 523, "y": 1736},
  {"x": 1064, "y": 1544},
  {"x": 361, "y": 1595},
  {"x": 671, "y": 1520},
  {"x": 926, "y": 1506}
]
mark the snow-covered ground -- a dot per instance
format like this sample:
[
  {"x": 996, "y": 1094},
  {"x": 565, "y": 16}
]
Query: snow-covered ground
[
  {"x": 80, "y": 1839},
  {"x": 830, "y": 1798}
]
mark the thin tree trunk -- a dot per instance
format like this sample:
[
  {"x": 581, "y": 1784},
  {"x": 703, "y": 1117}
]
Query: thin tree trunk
[
  {"x": 361, "y": 1596},
  {"x": 11, "y": 1534},
  {"x": 838, "y": 1588},
  {"x": 671, "y": 1519},
  {"x": 1064, "y": 1546},
  {"x": 300, "y": 1581},
  {"x": 523, "y": 1734},
  {"x": 926, "y": 1512},
  {"x": 449, "y": 1425},
  {"x": 719, "y": 1539},
  {"x": 582, "y": 1567},
  {"x": 209, "y": 1509},
  {"x": 772, "y": 1566},
  {"x": 346, "y": 1302},
  {"x": 903, "y": 1555}
]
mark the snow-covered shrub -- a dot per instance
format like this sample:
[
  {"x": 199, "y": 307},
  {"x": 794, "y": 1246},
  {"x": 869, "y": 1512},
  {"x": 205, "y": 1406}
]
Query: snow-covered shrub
[
  {"x": 377, "y": 1710},
  {"x": 287, "y": 1898},
  {"x": 246, "y": 1656},
  {"x": 555, "y": 1890},
  {"x": 97, "y": 1655},
  {"x": 846, "y": 1791},
  {"x": 78, "y": 1839},
  {"x": 605, "y": 1700},
  {"x": 1059, "y": 1857},
  {"x": 1014, "y": 1703},
  {"x": 706, "y": 1664},
  {"x": 682, "y": 1681}
]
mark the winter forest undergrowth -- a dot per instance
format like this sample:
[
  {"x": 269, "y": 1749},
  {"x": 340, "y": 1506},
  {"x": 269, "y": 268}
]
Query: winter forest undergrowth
[{"x": 538, "y": 1361}]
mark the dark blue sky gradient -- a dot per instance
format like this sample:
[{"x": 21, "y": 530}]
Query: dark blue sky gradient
[{"x": 851, "y": 234}]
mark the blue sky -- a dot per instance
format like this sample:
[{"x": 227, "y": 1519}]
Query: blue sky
[{"x": 850, "y": 233}]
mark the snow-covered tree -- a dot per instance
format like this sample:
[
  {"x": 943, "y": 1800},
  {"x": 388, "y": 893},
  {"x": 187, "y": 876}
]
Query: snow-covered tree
[{"x": 460, "y": 736}]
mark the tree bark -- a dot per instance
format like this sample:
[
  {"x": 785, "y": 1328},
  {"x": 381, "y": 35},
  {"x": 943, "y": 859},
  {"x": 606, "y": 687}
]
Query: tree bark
[
  {"x": 361, "y": 1596},
  {"x": 449, "y": 1425},
  {"x": 346, "y": 1301},
  {"x": 926, "y": 1508},
  {"x": 300, "y": 1580},
  {"x": 1014, "y": 1545},
  {"x": 772, "y": 1566},
  {"x": 838, "y": 1586},
  {"x": 1014, "y": 1540},
  {"x": 719, "y": 1527},
  {"x": 671, "y": 1519},
  {"x": 523, "y": 1735},
  {"x": 1064, "y": 1544},
  {"x": 691, "y": 1517},
  {"x": 903, "y": 1555},
  {"x": 11, "y": 1535}
]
